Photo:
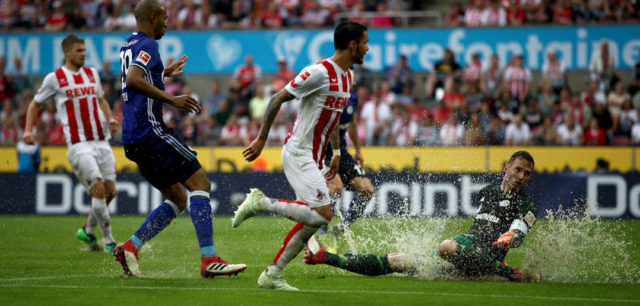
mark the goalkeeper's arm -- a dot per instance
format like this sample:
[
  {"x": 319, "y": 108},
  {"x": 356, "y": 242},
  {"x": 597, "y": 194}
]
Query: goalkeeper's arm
[{"x": 514, "y": 237}]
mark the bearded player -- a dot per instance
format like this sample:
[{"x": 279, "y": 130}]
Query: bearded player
[
  {"x": 86, "y": 122},
  {"x": 505, "y": 216},
  {"x": 324, "y": 89}
]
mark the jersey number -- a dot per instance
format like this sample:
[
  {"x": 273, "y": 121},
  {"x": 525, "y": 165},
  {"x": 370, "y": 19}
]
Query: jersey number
[{"x": 125, "y": 60}]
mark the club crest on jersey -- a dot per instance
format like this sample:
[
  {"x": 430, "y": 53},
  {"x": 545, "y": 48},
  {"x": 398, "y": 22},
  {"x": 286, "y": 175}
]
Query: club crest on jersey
[
  {"x": 504, "y": 203},
  {"x": 321, "y": 196},
  {"x": 143, "y": 57},
  {"x": 530, "y": 218}
]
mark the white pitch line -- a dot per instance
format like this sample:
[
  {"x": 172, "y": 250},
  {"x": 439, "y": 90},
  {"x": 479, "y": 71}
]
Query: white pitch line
[{"x": 444, "y": 294}]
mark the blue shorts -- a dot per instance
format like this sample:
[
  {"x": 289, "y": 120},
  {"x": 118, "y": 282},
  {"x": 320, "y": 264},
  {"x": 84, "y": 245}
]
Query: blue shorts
[{"x": 163, "y": 161}]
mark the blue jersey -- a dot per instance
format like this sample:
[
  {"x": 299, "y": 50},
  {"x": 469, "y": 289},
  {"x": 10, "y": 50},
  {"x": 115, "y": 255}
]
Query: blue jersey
[
  {"x": 347, "y": 114},
  {"x": 142, "y": 116}
]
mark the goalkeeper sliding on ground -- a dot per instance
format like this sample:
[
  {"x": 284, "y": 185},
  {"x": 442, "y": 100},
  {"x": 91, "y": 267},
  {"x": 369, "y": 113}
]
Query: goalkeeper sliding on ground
[{"x": 505, "y": 215}]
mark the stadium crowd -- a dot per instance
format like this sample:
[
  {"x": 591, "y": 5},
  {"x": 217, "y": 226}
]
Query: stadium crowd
[
  {"x": 454, "y": 105},
  {"x": 108, "y": 15}
]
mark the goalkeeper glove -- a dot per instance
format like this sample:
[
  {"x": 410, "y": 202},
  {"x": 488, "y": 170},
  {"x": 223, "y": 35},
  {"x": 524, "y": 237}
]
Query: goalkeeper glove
[{"x": 506, "y": 240}]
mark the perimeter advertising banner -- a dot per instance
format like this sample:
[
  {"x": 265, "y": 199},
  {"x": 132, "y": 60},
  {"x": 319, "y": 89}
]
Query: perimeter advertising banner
[
  {"x": 222, "y": 51},
  {"x": 610, "y": 195}
]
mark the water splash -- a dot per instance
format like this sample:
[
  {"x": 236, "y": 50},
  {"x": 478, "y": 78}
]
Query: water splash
[{"x": 573, "y": 247}]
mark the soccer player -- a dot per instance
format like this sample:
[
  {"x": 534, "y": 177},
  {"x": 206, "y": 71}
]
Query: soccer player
[
  {"x": 324, "y": 89},
  {"x": 505, "y": 216},
  {"x": 163, "y": 159},
  {"x": 86, "y": 122}
]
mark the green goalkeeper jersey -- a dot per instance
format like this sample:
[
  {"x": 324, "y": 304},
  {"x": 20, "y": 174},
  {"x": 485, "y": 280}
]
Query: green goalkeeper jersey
[{"x": 501, "y": 212}]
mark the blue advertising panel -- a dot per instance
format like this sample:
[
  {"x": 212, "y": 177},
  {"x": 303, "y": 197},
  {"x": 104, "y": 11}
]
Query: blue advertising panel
[
  {"x": 610, "y": 195},
  {"x": 222, "y": 51}
]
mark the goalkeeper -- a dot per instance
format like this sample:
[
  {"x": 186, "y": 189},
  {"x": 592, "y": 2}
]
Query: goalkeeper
[{"x": 505, "y": 216}]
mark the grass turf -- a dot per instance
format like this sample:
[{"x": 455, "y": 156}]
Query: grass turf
[{"x": 43, "y": 263}]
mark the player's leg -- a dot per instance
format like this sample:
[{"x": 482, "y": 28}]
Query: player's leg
[
  {"x": 364, "y": 188},
  {"x": 201, "y": 216},
  {"x": 471, "y": 260},
  {"x": 335, "y": 187},
  {"x": 312, "y": 211}
]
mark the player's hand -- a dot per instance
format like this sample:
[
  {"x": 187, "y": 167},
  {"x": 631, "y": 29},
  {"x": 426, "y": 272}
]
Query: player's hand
[
  {"x": 333, "y": 168},
  {"x": 358, "y": 157},
  {"x": 186, "y": 103},
  {"x": 176, "y": 67},
  {"x": 254, "y": 149},
  {"x": 505, "y": 240},
  {"x": 28, "y": 137},
  {"x": 113, "y": 125}
]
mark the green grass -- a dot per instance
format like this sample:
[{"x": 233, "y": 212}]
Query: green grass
[{"x": 43, "y": 263}]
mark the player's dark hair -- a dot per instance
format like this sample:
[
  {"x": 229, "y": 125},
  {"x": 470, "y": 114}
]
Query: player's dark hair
[
  {"x": 346, "y": 32},
  {"x": 521, "y": 154},
  {"x": 145, "y": 8},
  {"x": 67, "y": 42}
]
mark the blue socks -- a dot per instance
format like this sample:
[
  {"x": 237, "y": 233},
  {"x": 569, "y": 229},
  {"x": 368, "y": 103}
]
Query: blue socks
[
  {"x": 155, "y": 222},
  {"x": 201, "y": 218}
]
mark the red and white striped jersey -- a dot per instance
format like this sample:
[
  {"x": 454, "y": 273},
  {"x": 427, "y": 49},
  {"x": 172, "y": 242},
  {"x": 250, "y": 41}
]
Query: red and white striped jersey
[
  {"x": 76, "y": 95},
  {"x": 517, "y": 79},
  {"x": 324, "y": 89}
]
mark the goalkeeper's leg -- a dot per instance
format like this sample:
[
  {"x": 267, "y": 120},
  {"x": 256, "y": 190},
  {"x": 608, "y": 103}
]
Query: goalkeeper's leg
[
  {"x": 471, "y": 260},
  {"x": 365, "y": 264}
]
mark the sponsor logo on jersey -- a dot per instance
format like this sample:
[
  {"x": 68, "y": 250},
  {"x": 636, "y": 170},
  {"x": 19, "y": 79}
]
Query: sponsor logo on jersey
[
  {"x": 143, "y": 57},
  {"x": 530, "y": 218},
  {"x": 304, "y": 75},
  {"x": 504, "y": 203},
  {"x": 488, "y": 217},
  {"x": 337, "y": 103},
  {"x": 80, "y": 91}
]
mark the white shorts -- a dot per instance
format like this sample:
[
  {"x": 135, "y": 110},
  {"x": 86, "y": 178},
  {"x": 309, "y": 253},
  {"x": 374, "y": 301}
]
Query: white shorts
[
  {"x": 91, "y": 161},
  {"x": 305, "y": 178}
]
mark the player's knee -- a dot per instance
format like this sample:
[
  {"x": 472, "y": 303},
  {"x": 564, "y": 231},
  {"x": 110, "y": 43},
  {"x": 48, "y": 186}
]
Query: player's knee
[
  {"x": 447, "y": 249},
  {"x": 368, "y": 191},
  {"x": 400, "y": 262},
  {"x": 98, "y": 189},
  {"x": 326, "y": 212}
]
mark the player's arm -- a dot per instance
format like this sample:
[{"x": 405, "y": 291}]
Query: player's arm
[
  {"x": 352, "y": 130},
  {"x": 106, "y": 110},
  {"x": 334, "y": 139},
  {"x": 135, "y": 80},
  {"x": 254, "y": 149},
  {"x": 32, "y": 113},
  {"x": 519, "y": 228}
]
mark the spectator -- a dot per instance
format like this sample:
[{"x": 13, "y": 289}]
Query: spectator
[
  {"x": 20, "y": 79},
  {"x": 453, "y": 98},
  {"x": 406, "y": 96},
  {"x": 452, "y": 133},
  {"x": 6, "y": 86},
  {"x": 533, "y": 116},
  {"x": 364, "y": 77},
  {"x": 27, "y": 15},
  {"x": 635, "y": 130},
  {"x": 233, "y": 133},
  {"x": 57, "y": 20},
  {"x": 246, "y": 77},
  {"x": 494, "y": 15},
  {"x": 553, "y": 71},
  {"x": 456, "y": 15},
  {"x": 237, "y": 18},
  {"x": 473, "y": 71},
  {"x": 516, "y": 14},
  {"x": 376, "y": 118},
  {"x": 570, "y": 133},
  {"x": 187, "y": 15},
  {"x": 474, "y": 134},
  {"x": 314, "y": 15},
  {"x": 258, "y": 104},
  {"x": 546, "y": 134},
  {"x": 628, "y": 117},
  {"x": 271, "y": 18},
  {"x": 473, "y": 13},
  {"x": 282, "y": 76},
  {"x": 404, "y": 129},
  {"x": 127, "y": 20},
  {"x": 400, "y": 76},
  {"x": 448, "y": 66},
  {"x": 614, "y": 102},
  {"x": 591, "y": 95},
  {"x": 562, "y": 13},
  {"x": 486, "y": 116},
  {"x": 492, "y": 76},
  {"x": 190, "y": 130},
  {"x": 76, "y": 20},
  {"x": 213, "y": 99},
  {"x": 602, "y": 66},
  {"x": 382, "y": 19},
  {"x": 581, "y": 13},
  {"x": 580, "y": 111},
  {"x": 546, "y": 97},
  {"x": 223, "y": 113},
  {"x": 495, "y": 134},
  {"x": 594, "y": 136},
  {"x": 427, "y": 132},
  {"x": 517, "y": 132},
  {"x": 507, "y": 106},
  {"x": 517, "y": 78}
]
